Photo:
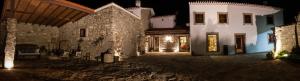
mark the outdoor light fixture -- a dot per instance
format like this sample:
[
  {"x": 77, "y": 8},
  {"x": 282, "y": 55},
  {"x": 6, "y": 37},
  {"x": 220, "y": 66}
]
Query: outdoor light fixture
[
  {"x": 285, "y": 55},
  {"x": 8, "y": 64},
  {"x": 168, "y": 39}
]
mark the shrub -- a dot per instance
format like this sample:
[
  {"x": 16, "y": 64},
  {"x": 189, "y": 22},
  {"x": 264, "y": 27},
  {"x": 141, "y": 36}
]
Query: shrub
[{"x": 282, "y": 53}]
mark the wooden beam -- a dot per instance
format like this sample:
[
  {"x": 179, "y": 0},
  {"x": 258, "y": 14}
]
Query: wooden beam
[
  {"x": 47, "y": 19},
  {"x": 23, "y": 12},
  {"x": 57, "y": 23},
  {"x": 17, "y": 6},
  {"x": 70, "y": 19},
  {"x": 82, "y": 15},
  {"x": 72, "y": 5},
  {"x": 56, "y": 16},
  {"x": 73, "y": 17},
  {"x": 34, "y": 11},
  {"x": 26, "y": 8},
  {"x": 37, "y": 18},
  {"x": 12, "y": 8}
]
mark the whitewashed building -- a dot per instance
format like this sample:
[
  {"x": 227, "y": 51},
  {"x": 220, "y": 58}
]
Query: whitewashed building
[
  {"x": 232, "y": 28},
  {"x": 164, "y": 36}
]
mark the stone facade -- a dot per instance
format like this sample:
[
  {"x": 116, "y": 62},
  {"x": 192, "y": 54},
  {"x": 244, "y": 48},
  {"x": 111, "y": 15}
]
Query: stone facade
[
  {"x": 110, "y": 27},
  {"x": 285, "y": 37},
  {"x": 40, "y": 35},
  {"x": 10, "y": 43}
]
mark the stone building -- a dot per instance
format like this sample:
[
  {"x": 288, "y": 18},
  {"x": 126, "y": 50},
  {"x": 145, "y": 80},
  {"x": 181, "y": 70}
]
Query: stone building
[
  {"x": 60, "y": 24},
  {"x": 164, "y": 36},
  {"x": 110, "y": 27}
]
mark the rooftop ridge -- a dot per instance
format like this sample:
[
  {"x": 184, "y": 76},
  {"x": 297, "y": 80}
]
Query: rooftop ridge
[{"x": 229, "y": 3}]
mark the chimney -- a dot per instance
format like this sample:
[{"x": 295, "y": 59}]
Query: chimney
[{"x": 138, "y": 3}]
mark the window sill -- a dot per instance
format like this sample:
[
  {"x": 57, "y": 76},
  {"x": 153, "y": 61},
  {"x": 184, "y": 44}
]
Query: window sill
[
  {"x": 199, "y": 24},
  {"x": 248, "y": 23}
]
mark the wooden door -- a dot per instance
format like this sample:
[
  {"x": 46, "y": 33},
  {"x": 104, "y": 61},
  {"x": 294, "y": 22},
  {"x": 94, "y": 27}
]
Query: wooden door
[{"x": 240, "y": 44}]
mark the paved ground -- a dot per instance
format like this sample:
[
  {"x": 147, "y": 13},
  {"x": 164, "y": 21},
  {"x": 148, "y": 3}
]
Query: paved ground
[{"x": 157, "y": 67}]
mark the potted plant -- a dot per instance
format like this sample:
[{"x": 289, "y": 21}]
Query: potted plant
[{"x": 108, "y": 56}]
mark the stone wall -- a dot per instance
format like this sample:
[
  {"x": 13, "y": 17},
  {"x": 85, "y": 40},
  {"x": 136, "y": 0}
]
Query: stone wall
[
  {"x": 10, "y": 43},
  {"x": 97, "y": 26},
  {"x": 37, "y": 34},
  {"x": 127, "y": 31},
  {"x": 110, "y": 27},
  {"x": 285, "y": 37},
  {"x": 146, "y": 14}
]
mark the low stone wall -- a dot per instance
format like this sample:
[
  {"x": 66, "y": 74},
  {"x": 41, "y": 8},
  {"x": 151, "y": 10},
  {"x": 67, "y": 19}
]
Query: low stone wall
[
  {"x": 37, "y": 34},
  {"x": 285, "y": 37}
]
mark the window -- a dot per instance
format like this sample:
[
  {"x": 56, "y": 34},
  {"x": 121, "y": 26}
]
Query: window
[
  {"x": 270, "y": 20},
  {"x": 223, "y": 18},
  {"x": 199, "y": 18},
  {"x": 82, "y": 32},
  {"x": 247, "y": 18},
  {"x": 271, "y": 38},
  {"x": 184, "y": 47},
  {"x": 212, "y": 42}
]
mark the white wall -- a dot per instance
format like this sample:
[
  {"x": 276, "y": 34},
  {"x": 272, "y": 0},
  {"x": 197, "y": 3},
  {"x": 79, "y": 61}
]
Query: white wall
[
  {"x": 226, "y": 31},
  {"x": 163, "y": 21}
]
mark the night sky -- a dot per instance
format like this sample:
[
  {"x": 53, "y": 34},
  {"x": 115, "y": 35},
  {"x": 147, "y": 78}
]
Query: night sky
[{"x": 180, "y": 7}]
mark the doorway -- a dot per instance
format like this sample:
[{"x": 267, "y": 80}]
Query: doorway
[
  {"x": 156, "y": 44},
  {"x": 240, "y": 47},
  {"x": 212, "y": 42}
]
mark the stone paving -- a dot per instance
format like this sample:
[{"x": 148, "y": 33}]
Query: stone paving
[{"x": 157, "y": 67}]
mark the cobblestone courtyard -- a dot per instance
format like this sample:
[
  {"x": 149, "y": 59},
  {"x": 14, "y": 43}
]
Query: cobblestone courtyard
[{"x": 154, "y": 67}]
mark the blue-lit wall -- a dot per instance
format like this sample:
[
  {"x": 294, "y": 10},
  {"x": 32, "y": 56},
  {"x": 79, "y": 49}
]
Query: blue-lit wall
[{"x": 263, "y": 31}]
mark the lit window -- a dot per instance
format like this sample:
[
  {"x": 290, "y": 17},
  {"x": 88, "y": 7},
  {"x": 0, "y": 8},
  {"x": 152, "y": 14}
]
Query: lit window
[
  {"x": 270, "y": 20},
  {"x": 223, "y": 18},
  {"x": 82, "y": 32},
  {"x": 212, "y": 42},
  {"x": 247, "y": 18},
  {"x": 199, "y": 18}
]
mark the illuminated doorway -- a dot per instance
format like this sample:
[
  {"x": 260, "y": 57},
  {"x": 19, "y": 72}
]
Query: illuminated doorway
[
  {"x": 212, "y": 42},
  {"x": 183, "y": 44}
]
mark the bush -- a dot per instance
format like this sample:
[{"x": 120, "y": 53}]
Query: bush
[
  {"x": 270, "y": 55},
  {"x": 282, "y": 53}
]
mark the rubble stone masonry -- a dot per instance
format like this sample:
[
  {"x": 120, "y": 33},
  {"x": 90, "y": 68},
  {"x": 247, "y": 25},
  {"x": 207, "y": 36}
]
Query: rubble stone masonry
[
  {"x": 110, "y": 27},
  {"x": 40, "y": 35},
  {"x": 10, "y": 43},
  {"x": 285, "y": 37}
]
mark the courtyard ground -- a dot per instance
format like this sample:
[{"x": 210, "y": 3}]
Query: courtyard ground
[{"x": 157, "y": 67}]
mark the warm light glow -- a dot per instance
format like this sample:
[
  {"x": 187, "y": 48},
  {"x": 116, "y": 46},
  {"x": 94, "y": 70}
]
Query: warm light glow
[
  {"x": 285, "y": 55},
  {"x": 161, "y": 49},
  {"x": 116, "y": 53},
  {"x": 212, "y": 43},
  {"x": 168, "y": 39},
  {"x": 138, "y": 53},
  {"x": 176, "y": 49},
  {"x": 8, "y": 64}
]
